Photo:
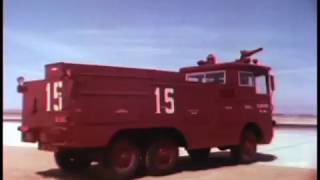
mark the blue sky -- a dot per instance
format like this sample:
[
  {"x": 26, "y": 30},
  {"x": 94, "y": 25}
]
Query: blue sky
[{"x": 166, "y": 35}]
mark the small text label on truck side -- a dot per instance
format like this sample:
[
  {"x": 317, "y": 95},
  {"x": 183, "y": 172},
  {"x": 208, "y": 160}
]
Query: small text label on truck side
[
  {"x": 57, "y": 95},
  {"x": 167, "y": 99}
]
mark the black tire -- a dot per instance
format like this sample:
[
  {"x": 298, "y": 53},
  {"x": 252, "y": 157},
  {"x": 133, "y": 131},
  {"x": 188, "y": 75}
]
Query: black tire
[
  {"x": 122, "y": 159},
  {"x": 141, "y": 170},
  {"x": 161, "y": 156},
  {"x": 199, "y": 155},
  {"x": 246, "y": 151},
  {"x": 72, "y": 161}
]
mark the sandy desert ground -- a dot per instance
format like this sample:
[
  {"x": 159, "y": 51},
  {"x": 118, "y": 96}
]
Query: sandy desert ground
[{"x": 291, "y": 155}]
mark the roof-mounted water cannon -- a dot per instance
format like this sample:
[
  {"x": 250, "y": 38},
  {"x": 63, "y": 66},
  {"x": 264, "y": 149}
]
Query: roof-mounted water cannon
[
  {"x": 211, "y": 59},
  {"x": 245, "y": 56}
]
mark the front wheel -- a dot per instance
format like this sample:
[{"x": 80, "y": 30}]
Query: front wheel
[
  {"x": 161, "y": 156},
  {"x": 72, "y": 160},
  {"x": 246, "y": 151}
]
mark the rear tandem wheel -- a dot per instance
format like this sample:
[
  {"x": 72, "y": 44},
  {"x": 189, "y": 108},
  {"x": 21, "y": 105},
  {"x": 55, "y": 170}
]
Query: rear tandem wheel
[
  {"x": 69, "y": 160},
  {"x": 122, "y": 159},
  {"x": 161, "y": 156}
]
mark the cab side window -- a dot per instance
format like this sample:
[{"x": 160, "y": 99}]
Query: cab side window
[
  {"x": 213, "y": 77},
  {"x": 216, "y": 77},
  {"x": 246, "y": 79},
  {"x": 195, "y": 77}
]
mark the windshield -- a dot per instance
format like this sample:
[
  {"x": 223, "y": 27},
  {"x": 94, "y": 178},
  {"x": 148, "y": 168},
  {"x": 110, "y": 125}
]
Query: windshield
[
  {"x": 258, "y": 81},
  {"x": 261, "y": 84}
]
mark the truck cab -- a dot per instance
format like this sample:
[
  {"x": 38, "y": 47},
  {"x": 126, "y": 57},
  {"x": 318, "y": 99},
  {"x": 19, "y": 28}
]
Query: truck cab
[{"x": 240, "y": 94}]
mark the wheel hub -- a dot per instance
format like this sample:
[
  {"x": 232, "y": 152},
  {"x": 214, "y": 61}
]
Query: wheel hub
[
  {"x": 124, "y": 158},
  {"x": 164, "y": 156}
]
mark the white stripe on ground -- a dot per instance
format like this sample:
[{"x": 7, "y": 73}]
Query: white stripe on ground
[{"x": 15, "y": 117}]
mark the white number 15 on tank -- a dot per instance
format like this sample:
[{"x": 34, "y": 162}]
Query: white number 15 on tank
[
  {"x": 54, "y": 100},
  {"x": 168, "y": 98}
]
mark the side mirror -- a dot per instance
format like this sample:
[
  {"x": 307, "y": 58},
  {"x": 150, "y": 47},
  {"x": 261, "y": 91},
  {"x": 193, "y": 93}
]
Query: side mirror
[{"x": 272, "y": 83}]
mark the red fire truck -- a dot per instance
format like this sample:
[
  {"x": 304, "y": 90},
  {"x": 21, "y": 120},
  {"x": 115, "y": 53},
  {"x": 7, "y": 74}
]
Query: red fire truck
[{"x": 130, "y": 120}]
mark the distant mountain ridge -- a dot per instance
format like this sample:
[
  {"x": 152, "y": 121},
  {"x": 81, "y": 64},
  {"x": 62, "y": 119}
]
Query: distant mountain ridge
[{"x": 295, "y": 115}]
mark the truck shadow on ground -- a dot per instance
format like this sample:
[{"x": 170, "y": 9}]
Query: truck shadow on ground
[{"x": 216, "y": 160}]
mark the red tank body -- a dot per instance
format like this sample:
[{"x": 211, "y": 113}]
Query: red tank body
[{"x": 79, "y": 107}]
